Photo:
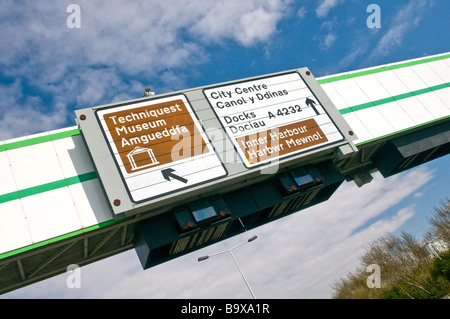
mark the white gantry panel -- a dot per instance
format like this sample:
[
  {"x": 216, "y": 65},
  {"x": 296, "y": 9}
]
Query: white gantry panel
[
  {"x": 384, "y": 100},
  {"x": 48, "y": 188}
]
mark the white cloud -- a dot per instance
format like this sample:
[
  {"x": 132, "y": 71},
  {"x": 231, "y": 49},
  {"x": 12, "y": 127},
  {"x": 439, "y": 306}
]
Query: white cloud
[
  {"x": 21, "y": 112},
  {"x": 246, "y": 22},
  {"x": 325, "y": 6},
  {"x": 301, "y": 13},
  {"x": 119, "y": 46},
  {"x": 405, "y": 20},
  {"x": 369, "y": 44},
  {"x": 144, "y": 34},
  {"x": 327, "y": 35},
  {"x": 329, "y": 40},
  {"x": 297, "y": 256},
  {"x": 360, "y": 48}
]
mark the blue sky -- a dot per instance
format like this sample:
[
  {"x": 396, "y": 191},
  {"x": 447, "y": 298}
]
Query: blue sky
[{"x": 48, "y": 70}]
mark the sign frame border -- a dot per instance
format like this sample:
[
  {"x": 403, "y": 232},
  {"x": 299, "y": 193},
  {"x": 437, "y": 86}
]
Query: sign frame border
[
  {"x": 108, "y": 169},
  {"x": 196, "y": 121},
  {"x": 287, "y": 156}
]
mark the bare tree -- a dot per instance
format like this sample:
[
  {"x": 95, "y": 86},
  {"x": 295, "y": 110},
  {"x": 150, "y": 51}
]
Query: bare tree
[
  {"x": 402, "y": 261},
  {"x": 440, "y": 222}
]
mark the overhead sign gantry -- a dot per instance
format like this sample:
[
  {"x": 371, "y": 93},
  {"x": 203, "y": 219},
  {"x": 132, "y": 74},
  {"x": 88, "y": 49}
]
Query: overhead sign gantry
[
  {"x": 149, "y": 150},
  {"x": 400, "y": 113}
]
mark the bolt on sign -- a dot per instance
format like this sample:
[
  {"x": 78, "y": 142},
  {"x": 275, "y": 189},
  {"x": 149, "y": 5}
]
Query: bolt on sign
[
  {"x": 159, "y": 146},
  {"x": 272, "y": 117}
]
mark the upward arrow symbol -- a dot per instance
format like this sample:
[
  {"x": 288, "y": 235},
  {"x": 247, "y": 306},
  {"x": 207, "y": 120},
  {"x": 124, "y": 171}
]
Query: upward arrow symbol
[{"x": 312, "y": 104}]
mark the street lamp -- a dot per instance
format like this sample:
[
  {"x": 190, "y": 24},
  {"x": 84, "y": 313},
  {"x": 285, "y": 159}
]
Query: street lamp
[{"x": 235, "y": 261}]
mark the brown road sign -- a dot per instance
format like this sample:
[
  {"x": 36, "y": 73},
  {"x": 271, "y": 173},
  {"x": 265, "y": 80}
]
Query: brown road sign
[
  {"x": 147, "y": 136},
  {"x": 272, "y": 117},
  {"x": 275, "y": 142},
  {"x": 159, "y": 146}
]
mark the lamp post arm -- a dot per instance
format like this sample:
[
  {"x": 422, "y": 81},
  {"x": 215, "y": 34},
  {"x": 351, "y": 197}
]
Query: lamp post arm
[
  {"x": 235, "y": 261},
  {"x": 228, "y": 250},
  {"x": 238, "y": 245},
  {"x": 219, "y": 253}
]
